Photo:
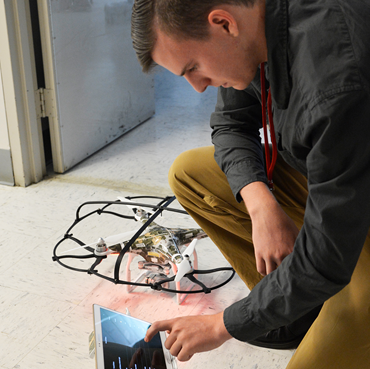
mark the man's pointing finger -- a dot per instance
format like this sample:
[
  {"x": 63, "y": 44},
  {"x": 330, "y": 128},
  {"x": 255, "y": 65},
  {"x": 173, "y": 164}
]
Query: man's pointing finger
[{"x": 156, "y": 327}]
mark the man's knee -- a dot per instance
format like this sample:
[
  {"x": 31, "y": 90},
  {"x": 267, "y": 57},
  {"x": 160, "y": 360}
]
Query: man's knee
[
  {"x": 178, "y": 169},
  {"x": 184, "y": 167}
]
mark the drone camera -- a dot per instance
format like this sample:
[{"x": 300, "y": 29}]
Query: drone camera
[
  {"x": 162, "y": 268},
  {"x": 154, "y": 278}
]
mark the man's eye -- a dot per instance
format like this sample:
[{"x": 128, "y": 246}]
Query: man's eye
[{"x": 193, "y": 69}]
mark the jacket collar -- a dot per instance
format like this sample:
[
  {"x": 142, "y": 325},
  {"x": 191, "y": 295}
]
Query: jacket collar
[{"x": 276, "y": 29}]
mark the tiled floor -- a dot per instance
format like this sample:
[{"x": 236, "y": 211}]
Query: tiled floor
[{"x": 46, "y": 310}]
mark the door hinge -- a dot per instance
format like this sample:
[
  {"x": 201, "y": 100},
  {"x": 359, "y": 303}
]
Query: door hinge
[{"x": 45, "y": 103}]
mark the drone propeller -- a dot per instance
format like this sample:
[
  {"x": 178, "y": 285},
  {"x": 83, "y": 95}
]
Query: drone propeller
[
  {"x": 108, "y": 241},
  {"x": 185, "y": 266},
  {"x": 147, "y": 209},
  {"x": 132, "y": 207}
]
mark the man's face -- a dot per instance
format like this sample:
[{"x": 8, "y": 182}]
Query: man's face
[{"x": 218, "y": 61}]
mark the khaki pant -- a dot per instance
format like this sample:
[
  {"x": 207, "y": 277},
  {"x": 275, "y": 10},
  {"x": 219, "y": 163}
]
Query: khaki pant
[{"x": 340, "y": 336}]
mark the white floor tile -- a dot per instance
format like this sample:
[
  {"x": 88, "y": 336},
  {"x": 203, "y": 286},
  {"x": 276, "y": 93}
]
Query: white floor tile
[{"x": 25, "y": 320}]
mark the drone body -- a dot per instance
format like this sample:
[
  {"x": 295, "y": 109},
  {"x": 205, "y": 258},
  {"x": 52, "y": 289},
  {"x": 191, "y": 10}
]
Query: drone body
[{"x": 159, "y": 244}]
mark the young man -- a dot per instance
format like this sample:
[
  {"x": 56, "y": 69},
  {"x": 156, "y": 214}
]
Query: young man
[{"x": 309, "y": 237}]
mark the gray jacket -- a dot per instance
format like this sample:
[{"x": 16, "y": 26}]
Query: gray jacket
[{"x": 319, "y": 72}]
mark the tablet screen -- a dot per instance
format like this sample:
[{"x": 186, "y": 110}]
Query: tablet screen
[{"x": 120, "y": 342}]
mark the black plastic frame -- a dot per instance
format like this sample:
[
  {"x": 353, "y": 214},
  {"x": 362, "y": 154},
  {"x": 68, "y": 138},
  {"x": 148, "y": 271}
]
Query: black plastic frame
[{"x": 157, "y": 210}]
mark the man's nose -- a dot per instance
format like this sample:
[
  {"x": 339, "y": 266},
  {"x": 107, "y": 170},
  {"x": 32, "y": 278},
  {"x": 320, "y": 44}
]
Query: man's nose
[{"x": 199, "y": 84}]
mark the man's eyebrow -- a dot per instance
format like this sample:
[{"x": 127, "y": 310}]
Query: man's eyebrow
[{"x": 185, "y": 68}]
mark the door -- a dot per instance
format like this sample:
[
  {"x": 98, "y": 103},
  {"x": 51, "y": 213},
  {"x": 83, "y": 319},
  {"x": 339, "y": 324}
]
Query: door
[{"x": 94, "y": 88}]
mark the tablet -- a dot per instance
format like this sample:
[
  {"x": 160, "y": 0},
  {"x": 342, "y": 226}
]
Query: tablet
[{"x": 119, "y": 343}]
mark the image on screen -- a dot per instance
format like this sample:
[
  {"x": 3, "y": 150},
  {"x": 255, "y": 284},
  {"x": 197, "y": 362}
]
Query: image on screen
[{"x": 124, "y": 346}]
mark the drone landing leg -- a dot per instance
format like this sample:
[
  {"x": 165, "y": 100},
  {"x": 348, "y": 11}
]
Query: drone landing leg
[
  {"x": 131, "y": 257},
  {"x": 139, "y": 279},
  {"x": 195, "y": 259},
  {"x": 182, "y": 296}
]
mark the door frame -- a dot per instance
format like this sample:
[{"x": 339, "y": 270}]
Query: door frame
[
  {"x": 20, "y": 91},
  {"x": 51, "y": 101}
]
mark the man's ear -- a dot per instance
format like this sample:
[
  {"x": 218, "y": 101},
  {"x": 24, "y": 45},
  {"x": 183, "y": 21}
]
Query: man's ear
[{"x": 224, "y": 20}]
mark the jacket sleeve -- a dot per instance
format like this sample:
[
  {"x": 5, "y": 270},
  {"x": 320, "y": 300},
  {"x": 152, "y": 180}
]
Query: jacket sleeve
[
  {"x": 337, "y": 220},
  {"x": 236, "y": 125}
]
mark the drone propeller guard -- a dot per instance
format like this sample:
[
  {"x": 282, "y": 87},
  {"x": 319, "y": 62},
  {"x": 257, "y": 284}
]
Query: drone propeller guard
[{"x": 158, "y": 285}]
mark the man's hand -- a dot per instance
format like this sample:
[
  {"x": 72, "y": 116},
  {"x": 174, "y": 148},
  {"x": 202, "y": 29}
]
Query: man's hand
[
  {"x": 273, "y": 232},
  {"x": 189, "y": 335}
]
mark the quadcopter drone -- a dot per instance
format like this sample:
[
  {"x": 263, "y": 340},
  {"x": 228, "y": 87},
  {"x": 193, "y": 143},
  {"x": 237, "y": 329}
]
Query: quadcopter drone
[{"x": 167, "y": 255}]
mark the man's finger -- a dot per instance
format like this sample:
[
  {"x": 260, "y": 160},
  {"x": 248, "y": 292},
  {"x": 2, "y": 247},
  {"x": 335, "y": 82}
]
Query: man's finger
[
  {"x": 261, "y": 266},
  {"x": 171, "y": 339},
  {"x": 271, "y": 266},
  {"x": 175, "y": 348},
  {"x": 184, "y": 356},
  {"x": 156, "y": 327}
]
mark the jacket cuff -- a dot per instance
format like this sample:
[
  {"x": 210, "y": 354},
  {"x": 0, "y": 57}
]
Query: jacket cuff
[
  {"x": 242, "y": 174},
  {"x": 239, "y": 322}
]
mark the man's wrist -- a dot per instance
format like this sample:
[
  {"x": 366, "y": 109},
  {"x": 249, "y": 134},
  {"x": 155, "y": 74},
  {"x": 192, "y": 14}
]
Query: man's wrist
[
  {"x": 257, "y": 198},
  {"x": 222, "y": 331}
]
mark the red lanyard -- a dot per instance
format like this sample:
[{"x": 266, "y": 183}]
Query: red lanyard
[{"x": 270, "y": 161}]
